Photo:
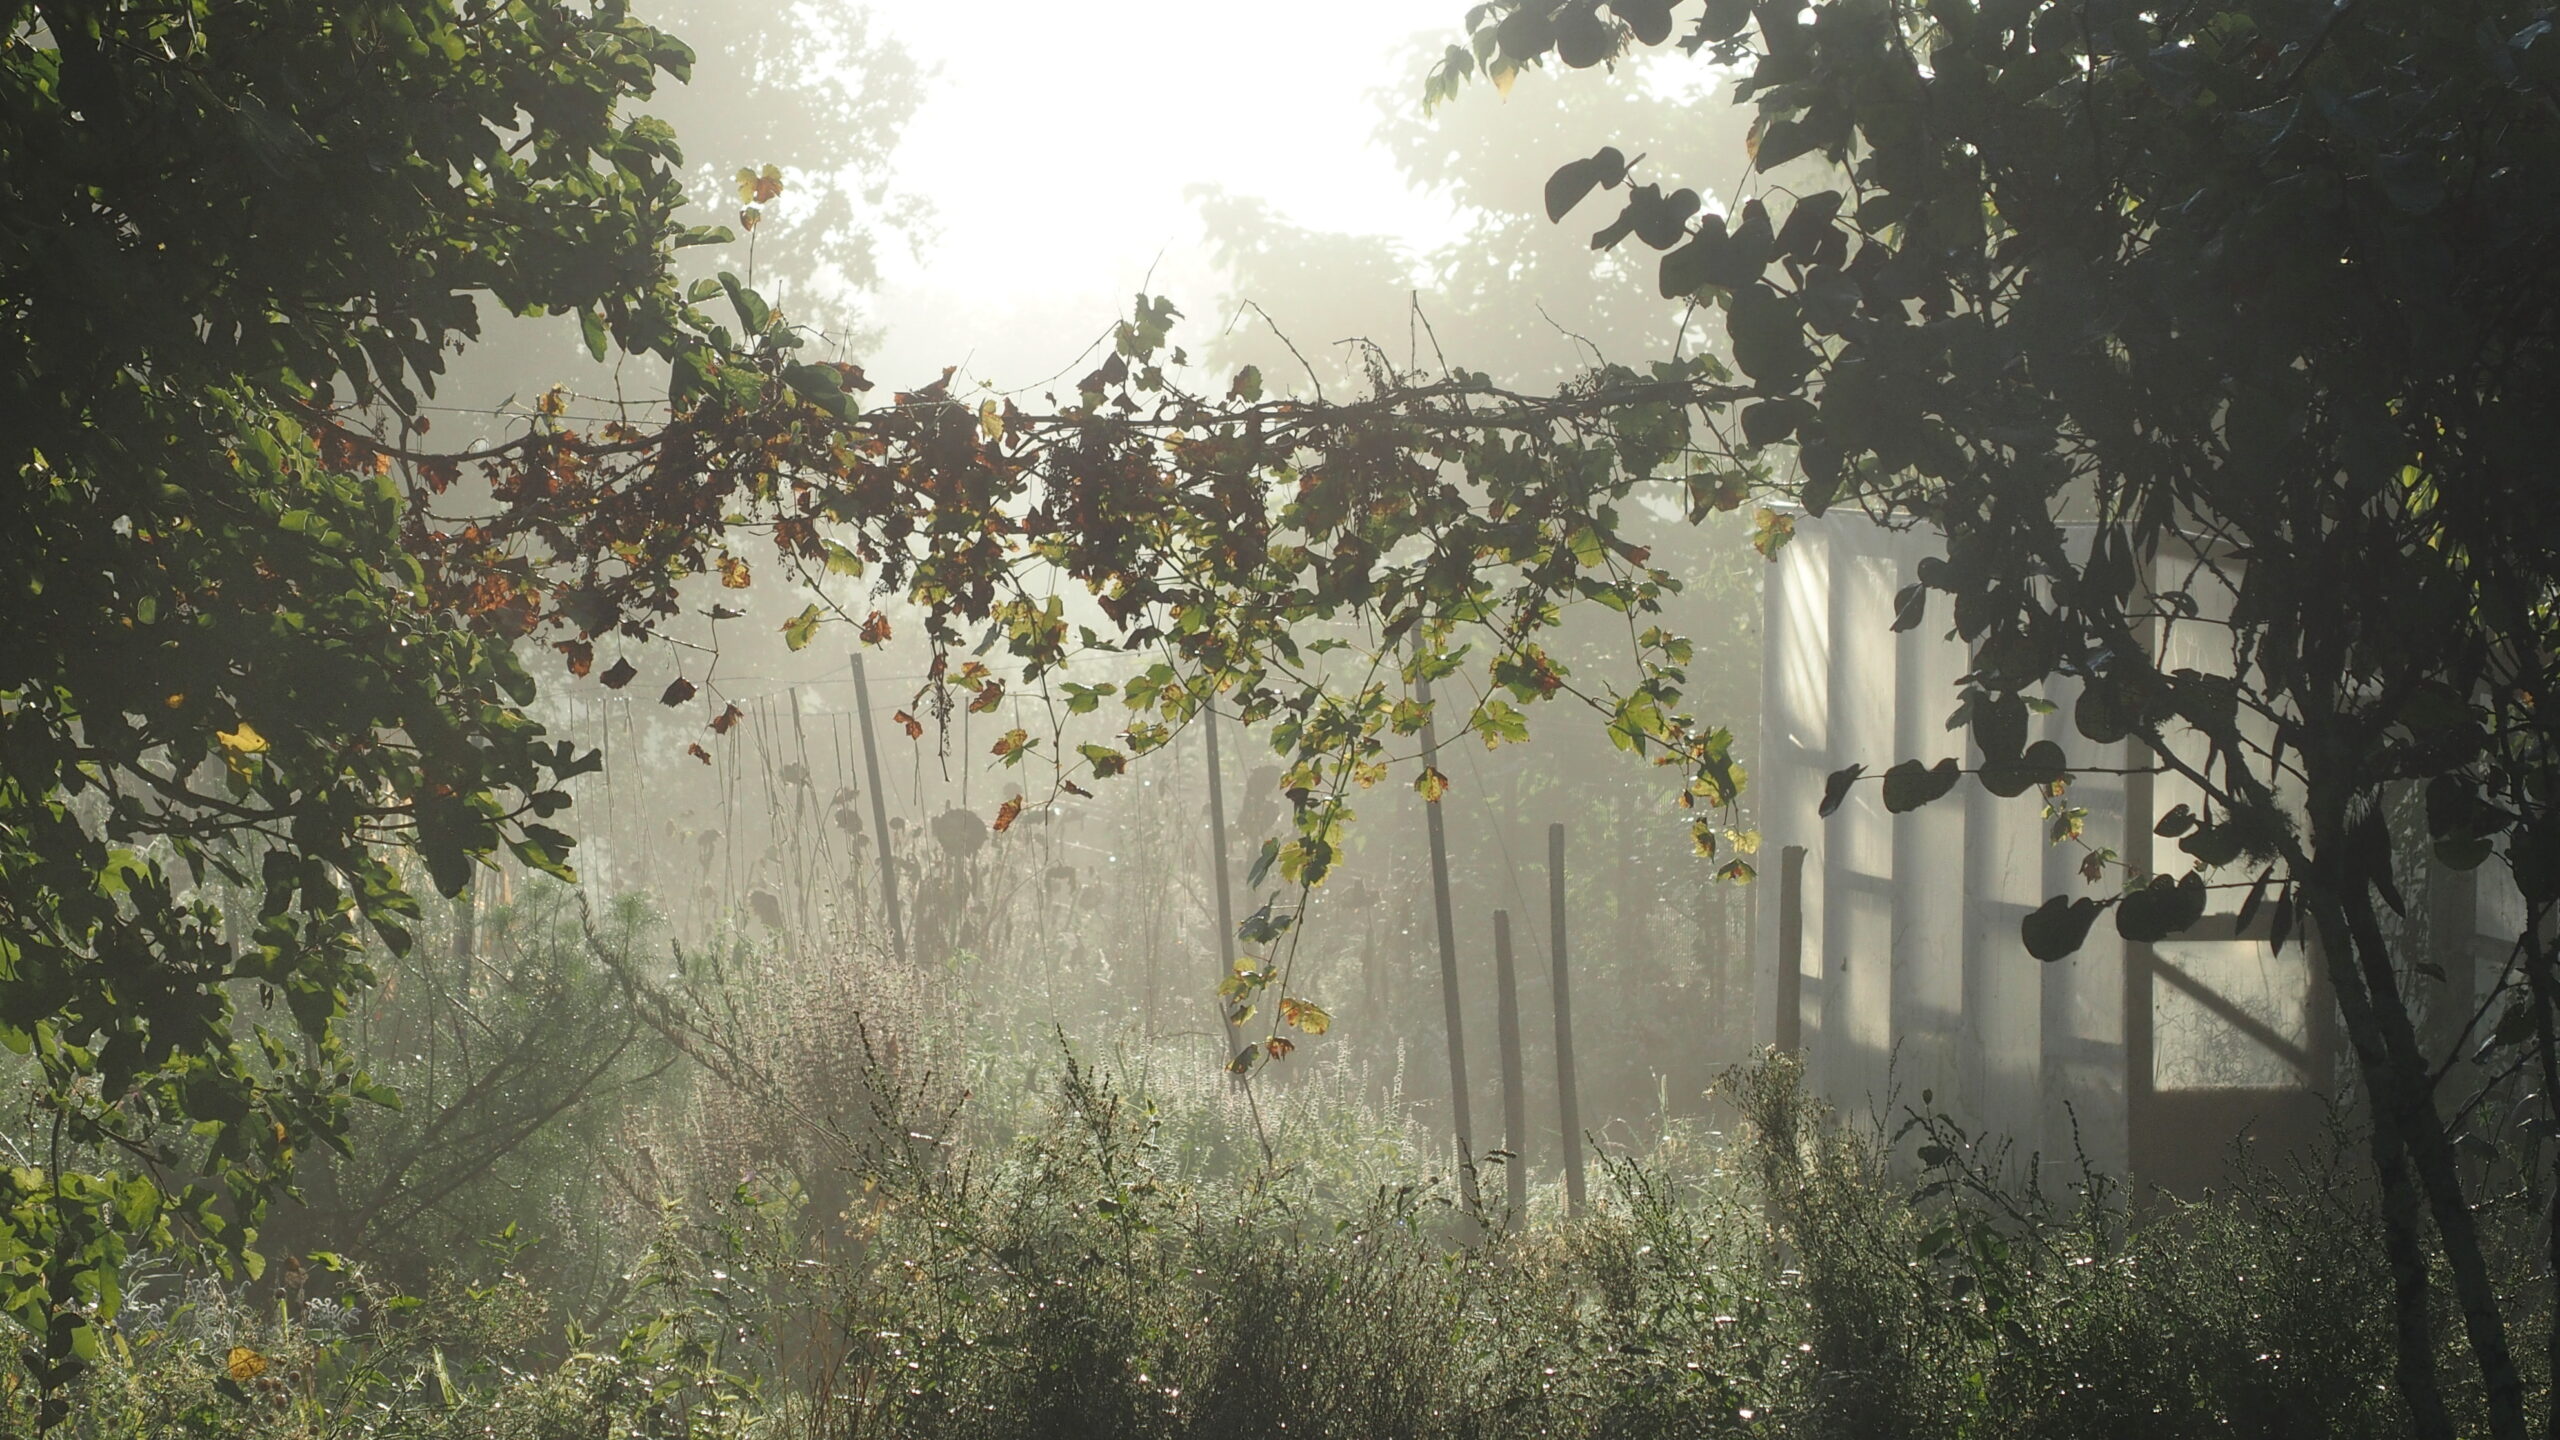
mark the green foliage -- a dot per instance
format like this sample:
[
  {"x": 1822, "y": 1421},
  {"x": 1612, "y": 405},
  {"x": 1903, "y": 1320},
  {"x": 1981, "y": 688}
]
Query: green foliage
[
  {"x": 2217, "y": 342},
  {"x": 1986, "y": 1295},
  {"x": 222, "y": 660},
  {"x": 1118, "y": 1266}
]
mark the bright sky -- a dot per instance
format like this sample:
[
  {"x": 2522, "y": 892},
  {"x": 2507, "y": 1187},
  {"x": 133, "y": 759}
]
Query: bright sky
[{"x": 1059, "y": 138}]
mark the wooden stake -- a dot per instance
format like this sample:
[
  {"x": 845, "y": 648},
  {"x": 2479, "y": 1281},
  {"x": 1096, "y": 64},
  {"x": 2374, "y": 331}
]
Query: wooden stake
[
  {"x": 1566, "y": 1095},
  {"x": 1461, "y": 1118},
  {"x": 1790, "y": 977},
  {"x": 1222, "y": 953},
  {"x": 1515, "y": 1087},
  {"x": 879, "y": 812}
]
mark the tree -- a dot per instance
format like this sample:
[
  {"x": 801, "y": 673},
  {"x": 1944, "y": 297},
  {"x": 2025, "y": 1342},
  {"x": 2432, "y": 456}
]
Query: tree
[
  {"x": 2263, "y": 290},
  {"x": 223, "y": 661},
  {"x": 260, "y": 632}
]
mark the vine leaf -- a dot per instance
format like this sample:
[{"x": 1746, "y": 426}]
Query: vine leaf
[
  {"x": 1836, "y": 789},
  {"x": 2059, "y": 927},
  {"x": 1910, "y": 785}
]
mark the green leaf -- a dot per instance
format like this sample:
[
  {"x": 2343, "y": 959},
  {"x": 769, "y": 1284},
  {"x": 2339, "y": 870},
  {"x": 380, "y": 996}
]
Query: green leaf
[
  {"x": 2058, "y": 927},
  {"x": 1999, "y": 726},
  {"x": 2039, "y": 764},
  {"x": 1835, "y": 789},
  {"x": 1573, "y": 181},
  {"x": 2160, "y": 909},
  {"x": 1908, "y": 786},
  {"x": 800, "y": 629},
  {"x": 1768, "y": 337}
]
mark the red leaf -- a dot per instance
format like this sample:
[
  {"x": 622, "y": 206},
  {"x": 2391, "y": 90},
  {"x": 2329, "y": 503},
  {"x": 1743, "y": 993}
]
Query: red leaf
[
  {"x": 722, "y": 722},
  {"x": 915, "y": 727},
  {"x": 875, "y": 629},
  {"x": 697, "y": 752},
  {"x": 1006, "y": 814},
  {"x": 582, "y": 656}
]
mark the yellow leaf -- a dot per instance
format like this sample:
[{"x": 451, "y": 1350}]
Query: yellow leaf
[
  {"x": 243, "y": 741},
  {"x": 1306, "y": 1015},
  {"x": 245, "y": 1364},
  {"x": 990, "y": 421},
  {"x": 1431, "y": 785},
  {"x": 734, "y": 574}
]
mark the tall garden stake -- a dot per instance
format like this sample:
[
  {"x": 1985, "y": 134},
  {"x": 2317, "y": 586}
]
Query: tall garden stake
[
  {"x": 1460, "y": 1117},
  {"x": 1515, "y": 1087},
  {"x": 1222, "y": 953},
  {"x": 1565, "y": 1095},
  {"x": 879, "y": 811}
]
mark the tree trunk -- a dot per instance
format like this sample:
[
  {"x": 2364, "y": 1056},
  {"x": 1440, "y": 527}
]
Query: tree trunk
[{"x": 2398, "y": 1084}]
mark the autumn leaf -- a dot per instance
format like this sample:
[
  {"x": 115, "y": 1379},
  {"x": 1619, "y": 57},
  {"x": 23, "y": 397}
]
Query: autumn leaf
[
  {"x": 697, "y": 752},
  {"x": 875, "y": 629},
  {"x": 726, "y": 720},
  {"x": 244, "y": 1364},
  {"x": 989, "y": 696},
  {"x": 1770, "y": 532},
  {"x": 677, "y": 692},
  {"x": 1306, "y": 1015},
  {"x": 1075, "y": 789},
  {"x": 582, "y": 656},
  {"x": 619, "y": 675},
  {"x": 1012, "y": 745},
  {"x": 914, "y": 727},
  {"x": 1431, "y": 784},
  {"x": 1279, "y": 1046},
  {"x": 734, "y": 574},
  {"x": 244, "y": 741},
  {"x": 1007, "y": 813}
]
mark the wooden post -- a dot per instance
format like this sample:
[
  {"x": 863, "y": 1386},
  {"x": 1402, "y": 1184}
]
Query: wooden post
[
  {"x": 1515, "y": 1089},
  {"x": 1790, "y": 976},
  {"x": 1566, "y": 1095},
  {"x": 879, "y": 812},
  {"x": 1460, "y": 1115},
  {"x": 1222, "y": 953},
  {"x": 466, "y": 928}
]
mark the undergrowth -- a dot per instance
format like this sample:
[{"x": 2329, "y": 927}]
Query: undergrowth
[{"x": 1138, "y": 1257}]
